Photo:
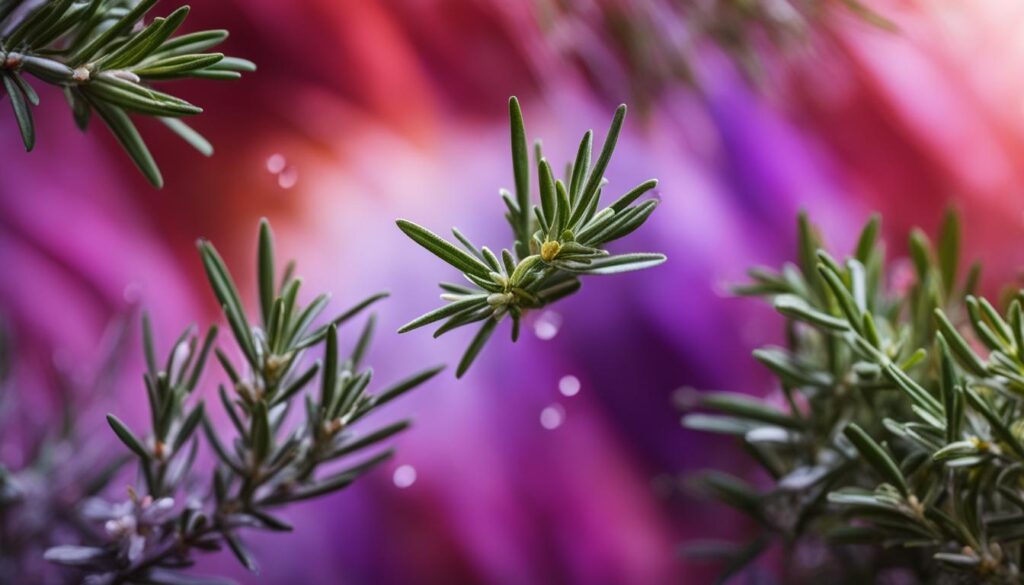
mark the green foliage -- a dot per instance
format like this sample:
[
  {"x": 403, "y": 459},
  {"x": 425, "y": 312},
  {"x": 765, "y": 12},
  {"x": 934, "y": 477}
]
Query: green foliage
[
  {"x": 62, "y": 462},
  {"x": 106, "y": 60},
  {"x": 660, "y": 44},
  {"x": 903, "y": 417},
  {"x": 271, "y": 460},
  {"x": 554, "y": 242}
]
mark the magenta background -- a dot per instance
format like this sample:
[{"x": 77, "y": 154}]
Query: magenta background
[{"x": 397, "y": 108}]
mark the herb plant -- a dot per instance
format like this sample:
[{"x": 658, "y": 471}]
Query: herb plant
[
  {"x": 105, "y": 61},
  {"x": 60, "y": 464},
  {"x": 272, "y": 460},
  {"x": 657, "y": 45},
  {"x": 901, "y": 425},
  {"x": 554, "y": 242}
]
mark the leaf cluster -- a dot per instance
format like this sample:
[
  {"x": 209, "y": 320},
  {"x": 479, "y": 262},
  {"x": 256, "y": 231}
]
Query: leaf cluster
[
  {"x": 61, "y": 461},
  {"x": 899, "y": 424},
  {"x": 105, "y": 59},
  {"x": 660, "y": 45},
  {"x": 271, "y": 459},
  {"x": 555, "y": 242}
]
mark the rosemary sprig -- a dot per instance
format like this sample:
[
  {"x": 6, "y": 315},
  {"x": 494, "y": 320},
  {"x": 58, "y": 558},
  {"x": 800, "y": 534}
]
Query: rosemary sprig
[
  {"x": 270, "y": 462},
  {"x": 554, "y": 242},
  {"x": 62, "y": 464},
  {"x": 660, "y": 44},
  {"x": 902, "y": 430},
  {"x": 106, "y": 60}
]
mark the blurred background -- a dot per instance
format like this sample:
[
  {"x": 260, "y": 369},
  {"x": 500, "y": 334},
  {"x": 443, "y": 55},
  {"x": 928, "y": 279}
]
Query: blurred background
[{"x": 555, "y": 460}]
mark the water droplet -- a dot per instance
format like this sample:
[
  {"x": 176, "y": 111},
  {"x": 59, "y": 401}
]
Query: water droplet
[
  {"x": 276, "y": 163},
  {"x": 405, "y": 476},
  {"x": 288, "y": 178},
  {"x": 547, "y": 325},
  {"x": 552, "y": 417},
  {"x": 569, "y": 385}
]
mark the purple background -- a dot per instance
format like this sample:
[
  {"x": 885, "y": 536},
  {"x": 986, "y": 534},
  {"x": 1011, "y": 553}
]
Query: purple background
[{"x": 385, "y": 109}]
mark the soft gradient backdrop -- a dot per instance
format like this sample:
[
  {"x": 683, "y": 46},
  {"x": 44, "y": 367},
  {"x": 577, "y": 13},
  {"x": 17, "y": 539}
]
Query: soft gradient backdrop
[{"x": 367, "y": 110}]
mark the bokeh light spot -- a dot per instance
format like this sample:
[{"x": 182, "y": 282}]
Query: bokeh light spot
[
  {"x": 552, "y": 417},
  {"x": 276, "y": 163},
  {"x": 547, "y": 325},
  {"x": 569, "y": 385},
  {"x": 404, "y": 476}
]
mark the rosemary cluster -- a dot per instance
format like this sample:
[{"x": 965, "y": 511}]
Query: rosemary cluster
[
  {"x": 106, "y": 58},
  {"x": 554, "y": 242},
  {"x": 660, "y": 44},
  {"x": 61, "y": 462},
  {"x": 273, "y": 456},
  {"x": 902, "y": 418},
  {"x": 105, "y": 61},
  {"x": 271, "y": 459}
]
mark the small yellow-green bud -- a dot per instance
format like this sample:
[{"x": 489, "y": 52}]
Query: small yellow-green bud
[
  {"x": 274, "y": 366},
  {"x": 916, "y": 506},
  {"x": 332, "y": 427},
  {"x": 499, "y": 299},
  {"x": 979, "y": 444},
  {"x": 550, "y": 250}
]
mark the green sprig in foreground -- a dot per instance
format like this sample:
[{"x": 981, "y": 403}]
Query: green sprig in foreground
[
  {"x": 903, "y": 428},
  {"x": 555, "y": 242},
  {"x": 271, "y": 459},
  {"x": 105, "y": 61}
]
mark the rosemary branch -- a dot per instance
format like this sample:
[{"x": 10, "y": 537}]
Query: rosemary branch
[
  {"x": 903, "y": 424},
  {"x": 554, "y": 242},
  {"x": 270, "y": 463},
  {"x": 105, "y": 60}
]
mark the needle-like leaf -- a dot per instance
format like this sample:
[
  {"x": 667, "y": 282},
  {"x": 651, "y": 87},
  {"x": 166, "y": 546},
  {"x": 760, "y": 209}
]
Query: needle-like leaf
[
  {"x": 103, "y": 58},
  {"x": 561, "y": 237}
]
